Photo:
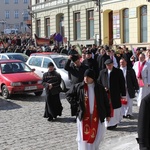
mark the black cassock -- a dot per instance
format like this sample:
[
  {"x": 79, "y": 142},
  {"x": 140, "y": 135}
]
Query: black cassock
[{"x": 53, "y": 106}]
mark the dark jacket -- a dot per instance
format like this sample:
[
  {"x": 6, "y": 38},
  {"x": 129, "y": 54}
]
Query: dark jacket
[
  {"x": 53, "y": 78},
  {"x": 76, "y": 73},
  {"x": 92, "y": 64},
  {"x": 117, "y": 85},
  {"x": 100, "y": 60},
  {"x": 132, "y": 83},
  {"x": 75, "y": 96},
  {"x": 144, "y": 124}
]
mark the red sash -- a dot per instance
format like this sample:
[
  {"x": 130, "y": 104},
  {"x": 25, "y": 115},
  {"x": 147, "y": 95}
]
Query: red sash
[
  {"x": 89, "y": 124},
  {"x": 110, "y": 103},
  {"x": 140, "y": 68},
  {"x": 139, "y": 76}
]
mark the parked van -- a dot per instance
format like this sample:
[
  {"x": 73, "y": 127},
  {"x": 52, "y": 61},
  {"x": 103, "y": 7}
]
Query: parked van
[{"x": 10, "y": 31}]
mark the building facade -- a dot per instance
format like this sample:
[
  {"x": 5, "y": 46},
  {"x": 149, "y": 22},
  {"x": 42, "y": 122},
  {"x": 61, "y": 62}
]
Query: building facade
[
  {"x": 14, "y": 14},
  {"x": 87, "y": 22}
]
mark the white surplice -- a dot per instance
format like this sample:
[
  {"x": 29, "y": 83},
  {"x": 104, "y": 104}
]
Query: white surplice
[
  {"x": 143, "y": 91},
  {"x": 83, "y": 145}
]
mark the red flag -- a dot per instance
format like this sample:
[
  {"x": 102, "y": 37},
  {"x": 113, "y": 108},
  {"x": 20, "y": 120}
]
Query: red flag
[{"x": 42, "y": 41}]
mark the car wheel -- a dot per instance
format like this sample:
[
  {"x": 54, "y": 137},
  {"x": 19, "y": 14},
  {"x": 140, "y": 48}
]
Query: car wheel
[
  {"x": 38, "y": 93},
  {"x": 5, "y": 92},
  {"x": 62, "y": 85}
]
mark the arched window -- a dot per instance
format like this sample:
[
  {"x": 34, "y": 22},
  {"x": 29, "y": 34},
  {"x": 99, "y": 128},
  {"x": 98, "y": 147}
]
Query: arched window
[
  {"x": 90, "y": 24},
  {"x": 47, "y": 27},
  {"x": 61, "y": 25},
  {"x": 77, "y": 26},
  {"x": 143, "y": 24},
  {"x": 38, "y": 27},
  {"x": 126, "y": 25}
]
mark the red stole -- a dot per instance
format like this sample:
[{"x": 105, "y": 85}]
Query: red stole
[
  {"x": 89, "y": 123},
  {"x": 139, "y": 76},
  {"x": 140, "y": 68}
]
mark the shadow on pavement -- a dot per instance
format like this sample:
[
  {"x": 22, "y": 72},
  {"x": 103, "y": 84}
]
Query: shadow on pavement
[
  {"x": 8, "y": 105},
  {"x": 28, "y": 97},
  {"x": 65, "y": 120}
]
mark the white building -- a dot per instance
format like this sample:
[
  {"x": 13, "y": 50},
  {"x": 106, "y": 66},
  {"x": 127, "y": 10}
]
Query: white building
[
  {"x": 121, "y": 21},
  {"x": 14, "y": 14}
]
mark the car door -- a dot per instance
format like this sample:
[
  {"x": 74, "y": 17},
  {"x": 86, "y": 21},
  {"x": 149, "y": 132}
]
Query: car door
[
  {"x": 44, "y": 67},
  {"x": 36, "y": 63}
]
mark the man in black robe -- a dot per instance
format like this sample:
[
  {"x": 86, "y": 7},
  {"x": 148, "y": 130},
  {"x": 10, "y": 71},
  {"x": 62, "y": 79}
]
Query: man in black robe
[{"x": 51, "y": 81}]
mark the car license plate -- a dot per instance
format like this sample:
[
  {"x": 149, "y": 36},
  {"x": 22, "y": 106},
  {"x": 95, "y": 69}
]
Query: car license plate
[{"x": 30, "y": 88}]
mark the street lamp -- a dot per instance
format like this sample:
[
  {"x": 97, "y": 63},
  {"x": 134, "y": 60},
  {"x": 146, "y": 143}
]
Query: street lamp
[
  {"x": 98, "y": 4},
  {"x": 32, "y": 15},
  {"x": 3, "y": 22}
]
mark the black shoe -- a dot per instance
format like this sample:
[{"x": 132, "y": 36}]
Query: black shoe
[
  {"x": 124, "y": 116},
  {"x": 50, "y": 119},
  {"x": 130, "y": 117},
  {"x": 111, "y": 127},
  {"x": 75, "y": 120}
]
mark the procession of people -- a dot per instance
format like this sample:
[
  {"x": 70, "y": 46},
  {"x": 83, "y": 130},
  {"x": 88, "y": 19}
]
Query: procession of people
[{"x": 104, "y": 83}]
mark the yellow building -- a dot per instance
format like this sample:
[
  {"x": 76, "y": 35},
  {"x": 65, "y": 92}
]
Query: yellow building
[{"x": 78, "y": 21}]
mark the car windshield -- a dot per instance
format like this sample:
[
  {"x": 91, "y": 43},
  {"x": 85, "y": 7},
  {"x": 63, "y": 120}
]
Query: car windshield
[
  {"x": 60, "y": 61},
  {"x": 18, "y": 57},
  {"x": 14, "y": 67}
]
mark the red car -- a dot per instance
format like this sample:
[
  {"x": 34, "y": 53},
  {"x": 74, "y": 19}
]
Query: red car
[{"x": 16, "y": 77}]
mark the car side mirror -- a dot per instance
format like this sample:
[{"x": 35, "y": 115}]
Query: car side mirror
[{"x": 33, "y": 70}]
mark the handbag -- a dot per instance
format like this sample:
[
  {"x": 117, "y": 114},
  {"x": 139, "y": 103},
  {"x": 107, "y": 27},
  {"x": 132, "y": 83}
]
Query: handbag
[{"x": 124, "y": 101}]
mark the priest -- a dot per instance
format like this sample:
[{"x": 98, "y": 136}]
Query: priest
[{"x": 93, "y": 107}]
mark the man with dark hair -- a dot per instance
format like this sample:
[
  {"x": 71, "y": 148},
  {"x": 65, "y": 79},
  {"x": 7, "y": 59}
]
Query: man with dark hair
[
  {"x": 93, "y": 108},
  {"x": 113, "y": 80},
  {"x": 76, "y": 71},
  {"x": 131, "y": 85},
  {"x": 51, "y": 81}
]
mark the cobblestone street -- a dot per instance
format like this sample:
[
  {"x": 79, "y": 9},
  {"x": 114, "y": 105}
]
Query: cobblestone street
[{"x": 22, "y": 127}]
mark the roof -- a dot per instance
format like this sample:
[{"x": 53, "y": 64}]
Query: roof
[
  {"x": 53, "y": 55},
  {"x": 9, "y": 60},
  {"x": 12, "y": 54}
]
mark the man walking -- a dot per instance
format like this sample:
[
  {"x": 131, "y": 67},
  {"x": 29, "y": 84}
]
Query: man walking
[
  {"x": 93, "y": 108},
  {"x": 113, "y": 80},
  {"x": 131, "y": 85}
]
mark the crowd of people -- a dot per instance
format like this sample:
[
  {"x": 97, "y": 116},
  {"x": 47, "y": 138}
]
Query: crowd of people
[{"x": 104, "y": 83}]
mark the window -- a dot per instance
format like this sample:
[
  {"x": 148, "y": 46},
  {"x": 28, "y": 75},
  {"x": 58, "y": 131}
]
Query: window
[
  {"x": 25, "y": 15},
  {"x": 126, "y": 25},
  {"x": 77, "y": 26},
  {"x": 7, "y": 14},
  {"x": 116, "y": 25},
  {"x": 6, "y": 1},
  {"x": 61, "y": 25},
  {"x": 38, "y": 27},
  {"x": 90, "y": 24},
  {"x": 15, "y": 1},
  {"x": 47, "y": 29},
  {"x": 143, "y": 24},
  {"x": 36, "y": 61},
  {"x": 25, "y": 1},
  {"x": 16, "y": 14},
  {"x": 45, "y": 62},
  {"x": 37, "y": 1}
]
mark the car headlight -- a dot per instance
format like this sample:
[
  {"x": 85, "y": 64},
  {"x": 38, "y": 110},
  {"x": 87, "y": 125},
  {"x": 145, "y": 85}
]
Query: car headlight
[
  {"x": 15, "y": 84},
  {"x": 39, "y": 82}
]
